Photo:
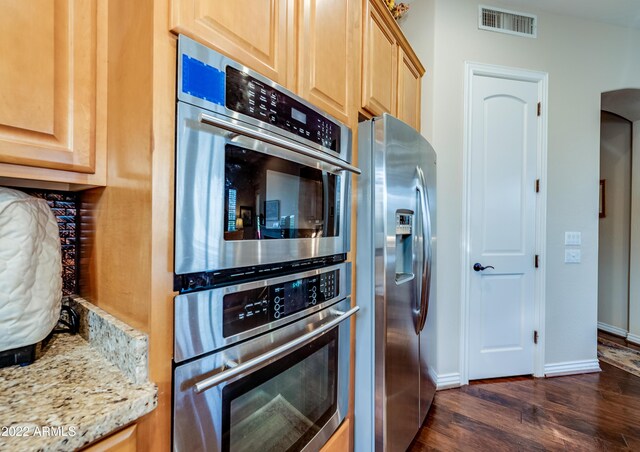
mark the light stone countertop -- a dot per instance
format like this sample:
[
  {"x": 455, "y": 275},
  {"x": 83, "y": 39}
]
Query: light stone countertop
[{"x": 73, "y": 394}]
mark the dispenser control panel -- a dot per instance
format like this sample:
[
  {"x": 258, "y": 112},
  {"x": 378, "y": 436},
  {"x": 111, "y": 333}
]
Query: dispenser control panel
[{"x": 404, "y": 223}]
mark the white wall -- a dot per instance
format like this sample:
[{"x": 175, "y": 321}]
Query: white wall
[
  {"x": 634, "y": 267},
  {"x": 583, "y": 59},
  {"x": 613, "y": 253}
]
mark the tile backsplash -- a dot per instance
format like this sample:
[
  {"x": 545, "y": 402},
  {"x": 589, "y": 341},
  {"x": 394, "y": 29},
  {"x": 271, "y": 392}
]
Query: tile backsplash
[{"x": 64, "y": 206}]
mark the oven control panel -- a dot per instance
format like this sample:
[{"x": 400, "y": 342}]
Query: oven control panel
[
  {"x": 247, "y": 95},
  {"x": 250, "y": 309}
]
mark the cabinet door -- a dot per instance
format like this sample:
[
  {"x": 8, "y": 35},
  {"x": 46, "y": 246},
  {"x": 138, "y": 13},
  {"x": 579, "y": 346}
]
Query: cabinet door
[
  {"x": 379, "y": 66},
  {"x": 329, "y": 45},
  {"x": 122, "y": 441},
  {"x": 409, "y": 81},
  {"x": 48, "y": 84},
  {"x": 257, "y": 33}
]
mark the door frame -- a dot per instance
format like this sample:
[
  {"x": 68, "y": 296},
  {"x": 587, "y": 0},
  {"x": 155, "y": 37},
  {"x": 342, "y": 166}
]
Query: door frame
[{"x": 542, "y": 79}]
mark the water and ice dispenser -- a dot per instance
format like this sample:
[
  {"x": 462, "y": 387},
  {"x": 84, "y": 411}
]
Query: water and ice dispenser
[{"x": 404, "y": 245}]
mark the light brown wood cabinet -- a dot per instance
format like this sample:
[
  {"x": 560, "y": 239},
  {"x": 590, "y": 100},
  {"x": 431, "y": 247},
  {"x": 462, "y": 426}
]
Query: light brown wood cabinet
[
  {"x": 329, "y": 46},
  {"x": 340, "y": 441},
  {"x": 391, "y": 72},
  {"x": 51, "y": 113},
  {"x": 409, "y": 83},
  {"x": 257, "y": 33},
  {"x": 122, "y": 441},
  {"x": 379, "y": 63}
]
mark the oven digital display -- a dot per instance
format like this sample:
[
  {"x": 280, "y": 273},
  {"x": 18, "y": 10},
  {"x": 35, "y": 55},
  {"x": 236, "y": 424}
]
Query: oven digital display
[
  {"x": 295, "y": 296},
  {"x": 298, "y": 116}
]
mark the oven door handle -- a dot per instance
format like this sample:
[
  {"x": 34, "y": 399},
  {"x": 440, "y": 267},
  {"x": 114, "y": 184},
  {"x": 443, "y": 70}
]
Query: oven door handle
[
  {"x": 286, "y": 144},
  {"x": 215, "y": 380}
]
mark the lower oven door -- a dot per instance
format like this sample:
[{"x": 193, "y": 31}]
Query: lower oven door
[{"x": 284, "y": 391}]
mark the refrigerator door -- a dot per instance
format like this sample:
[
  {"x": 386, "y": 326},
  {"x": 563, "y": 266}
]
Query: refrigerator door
[
  {"x": 393, "y": 390},
  {"x": 427, "y": 261},
  {"x": 396, "y": 148}
]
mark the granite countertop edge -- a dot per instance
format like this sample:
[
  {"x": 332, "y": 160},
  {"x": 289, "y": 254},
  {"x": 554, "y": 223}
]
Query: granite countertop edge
[{"x": 79, "y": 390}]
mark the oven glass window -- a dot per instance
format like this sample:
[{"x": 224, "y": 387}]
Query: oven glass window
[
  {"x": 282, "y": 406},
  {"x": 267, "y": 197}
]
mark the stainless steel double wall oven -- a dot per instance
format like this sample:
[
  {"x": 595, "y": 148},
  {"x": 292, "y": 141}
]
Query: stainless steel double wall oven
[{"x": 261, "y": 346}]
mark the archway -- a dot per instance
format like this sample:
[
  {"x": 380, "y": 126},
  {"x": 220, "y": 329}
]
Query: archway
[{"x": 619, "y": 231}]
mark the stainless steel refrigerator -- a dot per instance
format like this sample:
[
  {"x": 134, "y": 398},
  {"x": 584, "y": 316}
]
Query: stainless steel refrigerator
[{"x": 396, "y": 239}]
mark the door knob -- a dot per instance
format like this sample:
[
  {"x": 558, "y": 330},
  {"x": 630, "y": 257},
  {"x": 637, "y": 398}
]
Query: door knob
[{"x": 478, "y": 267}]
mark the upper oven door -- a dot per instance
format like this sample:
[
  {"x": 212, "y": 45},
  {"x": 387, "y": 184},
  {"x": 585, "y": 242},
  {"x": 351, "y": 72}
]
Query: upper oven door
[{"x": 245, "y": 198}]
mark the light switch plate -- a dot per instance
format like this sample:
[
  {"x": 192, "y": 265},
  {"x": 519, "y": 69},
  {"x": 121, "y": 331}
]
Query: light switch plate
[
  {"x": 572, "y": 238},
  {"x": 572, "y": 256}
]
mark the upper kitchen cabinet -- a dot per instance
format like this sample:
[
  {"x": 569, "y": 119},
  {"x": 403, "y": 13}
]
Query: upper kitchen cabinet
[
  {"x": 379, "y": 61},
  {"x": 256, "y": 33},
  {"x": 409, "y": 82},
  {"x": 51, "y": 127},
  {"x": 329, "y": 43},
  {"x": 392, "y": 73}
]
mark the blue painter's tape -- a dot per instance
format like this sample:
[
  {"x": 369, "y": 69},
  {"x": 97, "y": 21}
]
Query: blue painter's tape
[{"x": 201, "y": 80}]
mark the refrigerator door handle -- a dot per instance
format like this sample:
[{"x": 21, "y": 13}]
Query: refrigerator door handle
[{"x": 425, "y": 217}]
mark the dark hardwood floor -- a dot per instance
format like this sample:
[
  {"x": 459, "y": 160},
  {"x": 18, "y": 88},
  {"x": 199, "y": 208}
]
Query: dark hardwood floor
[{"x": 599, "y": 411}]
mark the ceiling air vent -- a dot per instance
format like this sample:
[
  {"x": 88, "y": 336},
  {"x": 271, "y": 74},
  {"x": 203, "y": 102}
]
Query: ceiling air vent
[{"x": 504, "y": 21}]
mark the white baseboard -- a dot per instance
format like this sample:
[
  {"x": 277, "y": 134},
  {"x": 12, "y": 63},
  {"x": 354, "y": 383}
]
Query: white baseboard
[
  {"x": 445, "y": 381},
  {"x": 453, "y": 380},
  {"x": 613, "y": 330},
  {"x": 571, "y": 368},
  {"x": 633, "y": 338}
]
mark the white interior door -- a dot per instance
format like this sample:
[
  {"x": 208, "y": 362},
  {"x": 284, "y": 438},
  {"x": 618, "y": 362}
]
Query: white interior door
[{"x": 503, "y": 167}]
